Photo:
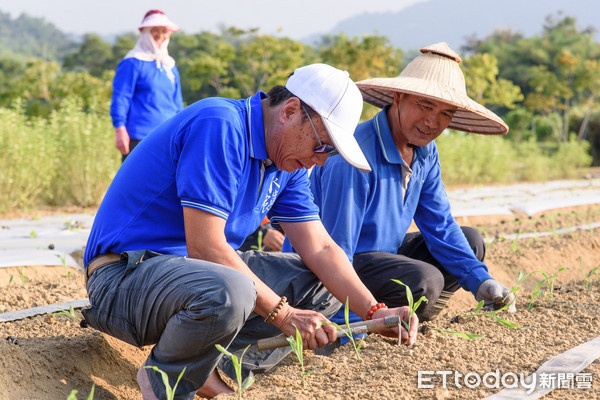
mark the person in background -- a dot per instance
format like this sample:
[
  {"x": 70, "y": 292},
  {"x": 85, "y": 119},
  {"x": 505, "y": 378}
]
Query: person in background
[
  {"x": 265, "y": 237},
  {"x": 146, "y": 87},
  {"x": 160, "y": 259},
  {"x": 368, "y": 215}
]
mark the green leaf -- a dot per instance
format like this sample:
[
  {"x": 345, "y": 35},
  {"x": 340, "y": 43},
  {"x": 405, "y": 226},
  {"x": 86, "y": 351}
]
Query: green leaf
[{"x": 248, "y": 382}]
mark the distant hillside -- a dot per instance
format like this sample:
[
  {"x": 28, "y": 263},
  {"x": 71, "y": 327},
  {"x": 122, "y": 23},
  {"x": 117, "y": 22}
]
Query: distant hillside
[
  {"x": 453, "y": 21},
  {"x": 26, "y": 37}
]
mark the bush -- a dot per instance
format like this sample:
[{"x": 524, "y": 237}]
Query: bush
[{"x": 68, "y": 159}]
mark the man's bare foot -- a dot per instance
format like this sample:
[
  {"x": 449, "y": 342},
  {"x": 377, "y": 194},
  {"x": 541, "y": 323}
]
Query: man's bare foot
[{"x": 214, "y": 386}]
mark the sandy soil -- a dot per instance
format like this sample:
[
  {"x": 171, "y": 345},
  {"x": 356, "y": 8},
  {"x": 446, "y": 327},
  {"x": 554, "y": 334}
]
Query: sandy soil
[{"x": 53, "y": 355}]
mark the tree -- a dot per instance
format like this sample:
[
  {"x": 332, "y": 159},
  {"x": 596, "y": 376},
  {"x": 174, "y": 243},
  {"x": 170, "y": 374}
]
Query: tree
[{"x": 94, "y": 55}]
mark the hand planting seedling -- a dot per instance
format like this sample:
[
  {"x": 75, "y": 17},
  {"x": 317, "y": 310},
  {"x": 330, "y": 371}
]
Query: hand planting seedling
[
  {"x": 169, "y": 392},
  {"x": 411, "y": 304},
  {"x": 237, "y": 366},
  {"x": 348, "y": 330},
  {"x": 73, "y": 394},
  {"x": 297, "y": 347}
]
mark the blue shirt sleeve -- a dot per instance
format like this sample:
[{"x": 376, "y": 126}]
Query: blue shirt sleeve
[
  {"x": 443, "y": 235},
  {"x": 123, "y": 89},
  {"x": 210, "y": 164}
]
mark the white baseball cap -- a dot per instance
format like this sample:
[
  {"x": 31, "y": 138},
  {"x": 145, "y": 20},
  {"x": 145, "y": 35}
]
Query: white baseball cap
[{"x": 332, "y": 94}]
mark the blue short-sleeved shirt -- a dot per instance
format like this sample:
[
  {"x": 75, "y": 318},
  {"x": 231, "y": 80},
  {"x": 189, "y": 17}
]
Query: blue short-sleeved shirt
[
  {"x": 364, "y": 212},
  {"x": 144, "y": 96},
  {"x": 211, "y": 156}
]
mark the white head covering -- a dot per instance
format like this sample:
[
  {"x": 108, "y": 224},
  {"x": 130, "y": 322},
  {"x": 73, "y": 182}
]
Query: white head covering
[{"x": 146, "y": 49}]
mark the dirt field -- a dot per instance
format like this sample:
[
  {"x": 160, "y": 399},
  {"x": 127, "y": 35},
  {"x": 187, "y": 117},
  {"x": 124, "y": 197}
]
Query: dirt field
[{"x": 54, "y": 355}]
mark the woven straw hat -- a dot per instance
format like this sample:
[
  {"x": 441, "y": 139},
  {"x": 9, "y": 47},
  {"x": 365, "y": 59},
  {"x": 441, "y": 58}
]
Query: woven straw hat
[{"x": 435, "y": 74}]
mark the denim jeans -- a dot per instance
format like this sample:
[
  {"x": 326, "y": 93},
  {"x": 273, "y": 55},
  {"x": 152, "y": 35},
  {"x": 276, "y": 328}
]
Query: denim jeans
[{"x": 185, "y": 306}]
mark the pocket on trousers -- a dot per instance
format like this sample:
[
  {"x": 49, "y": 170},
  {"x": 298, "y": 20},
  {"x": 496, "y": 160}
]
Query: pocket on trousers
[{"x": 115, "y": 326}]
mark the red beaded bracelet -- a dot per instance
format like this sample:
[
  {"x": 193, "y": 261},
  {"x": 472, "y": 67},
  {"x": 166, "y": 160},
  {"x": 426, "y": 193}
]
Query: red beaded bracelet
[{"x": 375, "y": 308}]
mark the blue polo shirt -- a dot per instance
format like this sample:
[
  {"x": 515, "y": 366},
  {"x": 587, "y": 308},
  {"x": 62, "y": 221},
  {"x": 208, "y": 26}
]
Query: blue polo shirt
[
  {"x": 211, "y": 156},
  {"x": 364, "y": 212},
  {"x": 143, "y": 96}
]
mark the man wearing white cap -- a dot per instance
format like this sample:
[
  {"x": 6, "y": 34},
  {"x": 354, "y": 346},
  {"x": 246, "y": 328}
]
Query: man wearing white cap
[
  {"x": 368, "y": 215},
  {"x": 160, "y": 258},
  {"x": 146, "y": 87}
]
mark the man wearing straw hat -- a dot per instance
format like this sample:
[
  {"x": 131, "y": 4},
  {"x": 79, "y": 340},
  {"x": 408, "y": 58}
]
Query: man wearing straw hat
[{"x": 368, "y": 215}]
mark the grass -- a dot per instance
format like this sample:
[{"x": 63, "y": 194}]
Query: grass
[{"x": 237, "y": 366}]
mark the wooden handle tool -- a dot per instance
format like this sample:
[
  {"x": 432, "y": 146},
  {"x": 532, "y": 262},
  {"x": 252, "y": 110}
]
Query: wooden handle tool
[{"x": 355, "y": 329}]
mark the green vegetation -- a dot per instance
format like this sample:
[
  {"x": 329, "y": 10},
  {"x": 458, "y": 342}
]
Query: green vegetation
[
  {"x": 348, "y": 330},
  {"x": 169, "y": 392},
  {"x": 237, "y": 366},
  {"x": 73, "y": 394},
  {"x": 57, "y": 138},
  {"x": 68, "y": 313},
  {"x": 297, "y": 347},
  {"x": 412, "y": 305}
]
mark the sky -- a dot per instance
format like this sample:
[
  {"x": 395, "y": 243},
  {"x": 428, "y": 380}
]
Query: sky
[{"x": 295, "y": 19}]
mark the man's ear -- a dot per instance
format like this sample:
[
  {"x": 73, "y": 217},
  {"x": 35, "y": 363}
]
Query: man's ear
[{"x": 290, "y": 107}]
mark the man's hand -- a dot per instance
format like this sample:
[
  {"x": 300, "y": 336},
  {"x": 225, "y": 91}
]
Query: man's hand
[
  {"x": 408, "y": 338},
  {"x": 495, "y": 295},
  {"x": 122, "y": 140},
  {"x": 310, "y": 325},
  {"x": 273, "y": 239}
]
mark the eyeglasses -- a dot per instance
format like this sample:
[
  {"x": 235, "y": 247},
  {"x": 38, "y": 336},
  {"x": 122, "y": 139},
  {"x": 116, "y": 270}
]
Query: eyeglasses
[{"x": 321, "y": 148}]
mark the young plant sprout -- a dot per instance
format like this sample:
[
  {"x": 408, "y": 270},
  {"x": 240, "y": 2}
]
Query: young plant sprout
[
  {"x": 549, "y": 280},
  {"x": 73, "y": 394},
  {"x": 464, "y": 335},
  {"x": 70, "y": 313},
  {"x": 411, "y": 304},
  {"x": 237, "y": 366},
  {"x": 63, "y": 261},
  {"x": 297, "y": 347},
  {"x": 348, "y": 331},
  {"x": 587, "y": 277},
  {"x": 492, "y": 314},
  {"x": 514, "y": 246},
  {"x": 170, "y": 392},
  {"x": 259, "y": 238},
  {"x": 22, "y": 276}
]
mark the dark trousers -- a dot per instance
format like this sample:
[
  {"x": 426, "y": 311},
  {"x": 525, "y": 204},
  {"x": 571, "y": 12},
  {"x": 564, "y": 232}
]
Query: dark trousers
[
  {"x": 132, "y": 144},
  {"x": 414, "y": 266}
]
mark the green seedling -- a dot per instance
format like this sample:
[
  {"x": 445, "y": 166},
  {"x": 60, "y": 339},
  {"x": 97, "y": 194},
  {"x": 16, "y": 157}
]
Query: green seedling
[
  {"x": 347, "y": 331},
  {"x": 73, "y": 394},
  {"x": 32, "y": 234},
  {"x": 69, "y": 313},
  {"x": 297, "y": 347},
  {"x": 492, "y": 314},
  {"x": 411, "y": 304},
  {"x": 514, "y": 246},
  {"x": 464, "y": 335},
  {"x": 22, "y": 276},
  {"x": 237, "y": 366},
  {"x": 549, "y": 280},
  {"x": 259, "y": 241},
  {"x": 63, "y": 261},
  {"x": 10, "y": 279},
  {"x": 170, "y": 392},
  {"x": 587, "y": 277}
]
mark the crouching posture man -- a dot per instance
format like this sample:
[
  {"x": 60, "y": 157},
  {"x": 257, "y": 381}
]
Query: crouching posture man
[{"x": 160, "y": 259}]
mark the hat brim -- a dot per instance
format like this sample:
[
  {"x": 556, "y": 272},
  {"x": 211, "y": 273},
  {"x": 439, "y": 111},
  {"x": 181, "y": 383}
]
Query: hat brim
[
  {"x": 470, "y": 116},
  {"x": 347, "y": 146}
]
